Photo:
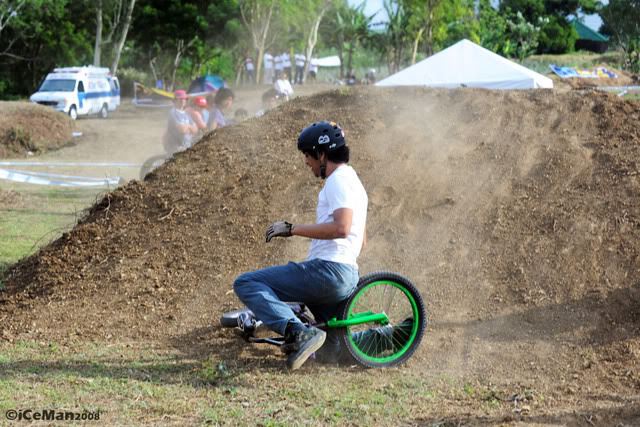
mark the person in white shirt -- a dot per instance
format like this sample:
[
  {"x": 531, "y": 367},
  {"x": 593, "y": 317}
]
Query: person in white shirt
[
  {"x": 283, "y": 86},
  {"x": 268, "y": 68},
  {"x": 286, "y": 65},
  {"x": 277, "y": 66},
  {"x": 250, "y": 74},
  {"x": 300, "y": 61},
  {"x": 330, "y": 273},
  {"x": 313, "y": 68}
]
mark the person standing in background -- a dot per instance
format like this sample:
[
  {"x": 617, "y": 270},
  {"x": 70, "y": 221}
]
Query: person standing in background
[
  {"x": 313, "y": 68},
  {"x": 300, "y": 61},
  {"x": 278, "y": 67},
  {"x": 250, "y": 74},
  {"x": 286, "y": 65},
  {"x": 268, "y": 68}
]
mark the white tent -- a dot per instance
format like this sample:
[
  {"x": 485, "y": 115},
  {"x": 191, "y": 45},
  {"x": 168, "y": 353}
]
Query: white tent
[
  {"x": 329, "y": 61},
  {"x": 467, "y": 64}
]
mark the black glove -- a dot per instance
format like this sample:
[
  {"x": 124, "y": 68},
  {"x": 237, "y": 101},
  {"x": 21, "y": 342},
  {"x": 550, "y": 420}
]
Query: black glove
[{"x": 279, "y": 228}]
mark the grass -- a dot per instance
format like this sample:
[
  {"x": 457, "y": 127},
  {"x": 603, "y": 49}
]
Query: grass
[
  {"x": 38, "y": 215},
  {"x": 138, "y": 383},
  {"x": 580, "y": 59}
]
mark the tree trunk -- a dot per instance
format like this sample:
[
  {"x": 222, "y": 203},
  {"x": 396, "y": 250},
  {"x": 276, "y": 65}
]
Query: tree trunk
[
  {"x": 416, "y": 41},
  {"x": 123, "y": 38},
  {"x": 97, "y": 48},
  {"x": 428, "y": 38},
  {"x": 350, "y": 57},
  {"x": 258, "y": 28},
  {"x": 313, "y": 38}
]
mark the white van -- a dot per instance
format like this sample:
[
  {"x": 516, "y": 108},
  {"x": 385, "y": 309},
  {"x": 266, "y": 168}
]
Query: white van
[{"x": 80, "y": 91}]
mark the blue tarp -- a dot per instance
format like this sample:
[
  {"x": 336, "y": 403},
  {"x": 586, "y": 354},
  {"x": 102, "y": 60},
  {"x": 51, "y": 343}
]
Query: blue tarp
[
  {"x": 205, "y": 84},
  {"x": 566, "y": 72}
]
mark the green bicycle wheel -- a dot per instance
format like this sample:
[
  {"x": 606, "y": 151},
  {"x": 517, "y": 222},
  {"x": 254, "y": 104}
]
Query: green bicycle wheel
[{"x": 391, "y": 344}]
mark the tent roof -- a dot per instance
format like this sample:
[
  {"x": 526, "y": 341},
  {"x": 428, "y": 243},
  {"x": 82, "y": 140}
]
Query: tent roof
[
  {"x": 467, "y": 64},
  {"x": 586, "y": 33}
]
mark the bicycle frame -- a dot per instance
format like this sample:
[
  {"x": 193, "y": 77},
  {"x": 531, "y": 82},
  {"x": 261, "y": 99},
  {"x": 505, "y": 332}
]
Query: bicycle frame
[{"x": 357, "y": 319}]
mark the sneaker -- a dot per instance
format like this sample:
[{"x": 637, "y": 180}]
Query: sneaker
[
  {"x": 402, "y": 332},
  {"x": 301, "y": 344},
  {"x": 377, "y": 341}
]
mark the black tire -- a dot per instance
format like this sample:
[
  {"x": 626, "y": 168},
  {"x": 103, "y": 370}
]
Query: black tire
[
  {"x": 73, "y": 112},
  {"x": 230, "y": 319},
  {"x": 104, "y": 111},
  {"x": 376, "y": 346},
  {"x": 151, "y": 163}
]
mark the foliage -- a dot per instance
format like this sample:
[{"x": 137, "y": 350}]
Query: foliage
[
  {"x": 454, "y": 20},
  {"x": 44, "y": 35},
  {"x": 177, "y": 40},
  {"x": 621, "y": 18},
  {"x": 491, "y": 27},
  {"x": 557, "y": 36},
  {"x": 524, "y": 35},
  {"x": 128, "y": 75}
]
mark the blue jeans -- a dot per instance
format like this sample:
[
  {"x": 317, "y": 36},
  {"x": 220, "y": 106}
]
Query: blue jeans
[{"x": 321, "y": 285}]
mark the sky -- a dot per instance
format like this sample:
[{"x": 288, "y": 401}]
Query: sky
[{"x": 373, "y": 6}]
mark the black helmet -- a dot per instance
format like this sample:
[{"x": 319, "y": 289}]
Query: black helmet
[{"x": 321, "y": 137}]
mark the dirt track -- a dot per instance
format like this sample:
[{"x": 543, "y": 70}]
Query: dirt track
[{"x": 516, "y": 214}]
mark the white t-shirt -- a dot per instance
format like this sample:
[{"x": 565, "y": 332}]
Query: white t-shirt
[
  {"x": 300, "y": 59},
  {"x": 283, "y": 87},
  {"x": 342, "y": 189},
  {"x": 314, "y": 65},
  {"x": 277, "y": 61},
  {"x": 268, "y": 61},
  {"x": 286, "y": 60}
]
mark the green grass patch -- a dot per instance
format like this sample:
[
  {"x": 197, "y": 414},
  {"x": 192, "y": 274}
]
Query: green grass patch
[
  {"x": 136, "y": 384},
  {"x": 581, "y": 59},
  {"x": 36, "y": 216},
  {"x": 632, "y": 96}
]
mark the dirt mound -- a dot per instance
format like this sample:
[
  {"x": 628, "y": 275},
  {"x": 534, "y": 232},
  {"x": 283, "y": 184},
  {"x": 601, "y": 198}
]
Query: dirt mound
[
  {"x": 515, "y": 213},
  {"x": 26, "y": 127}
]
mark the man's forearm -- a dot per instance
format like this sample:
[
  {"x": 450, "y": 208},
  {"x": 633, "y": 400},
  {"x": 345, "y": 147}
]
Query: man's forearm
[{"x": 326, "y": 231}]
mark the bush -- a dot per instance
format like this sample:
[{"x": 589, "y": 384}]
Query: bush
[
  {"x": 127, "y": 76},
  {"x": 557, "y": 36}
]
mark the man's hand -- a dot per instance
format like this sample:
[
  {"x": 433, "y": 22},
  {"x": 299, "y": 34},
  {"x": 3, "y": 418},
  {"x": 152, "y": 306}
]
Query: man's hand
[{"x": 279, "y": 228}]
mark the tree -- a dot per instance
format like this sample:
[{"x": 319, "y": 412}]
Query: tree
[
  {"x": 453, "y": 21},
  {"x": 421, "y": 17},
  {"x": 119, "y": 13},
  {"x": 355, "y": 27},
  {"x": 622, "y": 19},
  {"x": 40, "y": 36},
  {"x": 492, "y": 27},
  {"x": 524, "y": 35},
  {"x": 256, "y": 16},
  {"x": 12, "y": 16},
  {"x": 396, "y": 33},
  {"x": 314, "y": 10},
  {"x": 172, "y": 30},
  {"x": 123, "y": 37},
  {"x": 557, "y": 35}
]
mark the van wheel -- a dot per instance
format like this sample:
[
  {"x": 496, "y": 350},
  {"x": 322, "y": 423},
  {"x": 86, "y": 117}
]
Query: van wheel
[
  {"x": 104, "y": 112},
  {"x": 73, "y": 113}
]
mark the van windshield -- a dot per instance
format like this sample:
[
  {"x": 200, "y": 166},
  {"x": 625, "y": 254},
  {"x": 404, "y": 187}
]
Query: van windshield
[{"x": 58, "y": 86}]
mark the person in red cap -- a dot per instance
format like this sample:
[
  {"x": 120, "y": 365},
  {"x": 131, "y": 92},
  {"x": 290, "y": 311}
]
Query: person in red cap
[
  {"x": 180, "y": 127},
  {"x": 196, "y": 112}
]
